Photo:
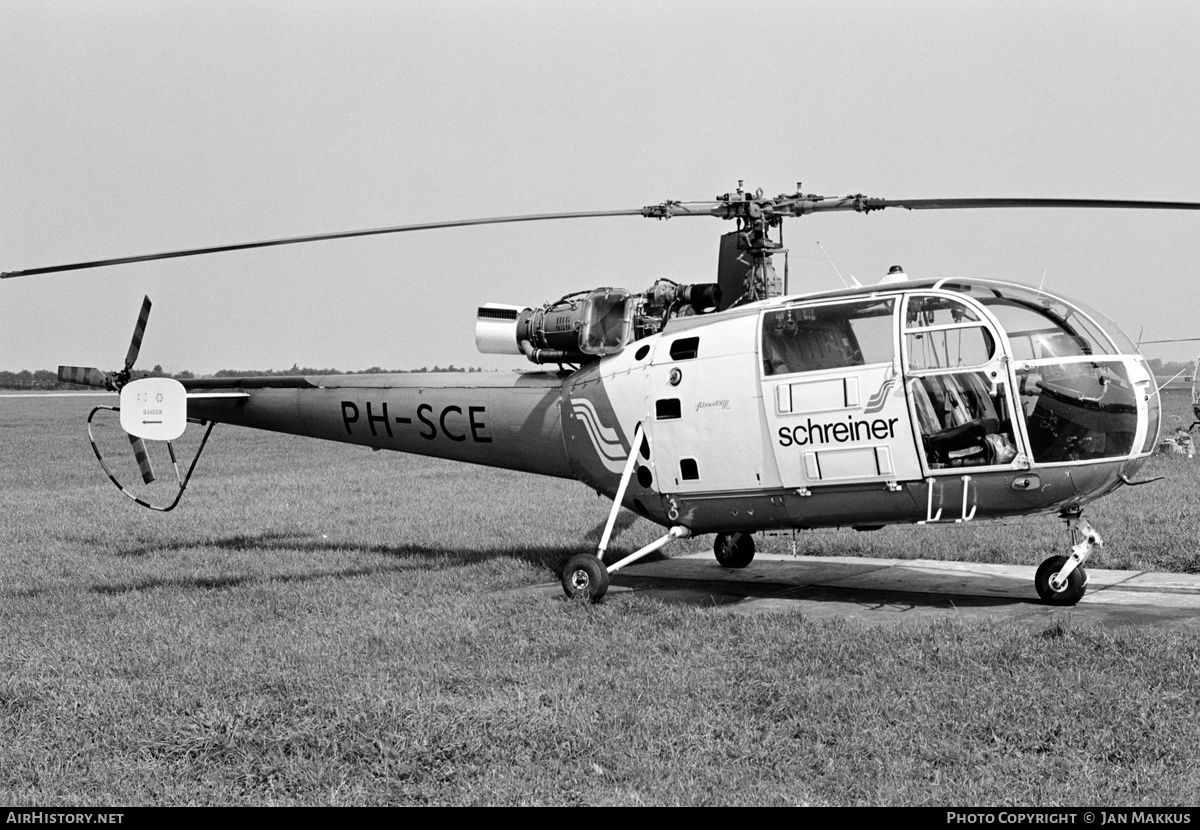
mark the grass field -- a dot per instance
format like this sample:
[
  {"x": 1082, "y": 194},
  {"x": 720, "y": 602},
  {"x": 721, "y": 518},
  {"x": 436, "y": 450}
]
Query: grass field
[{"x": 319, "y": 624}]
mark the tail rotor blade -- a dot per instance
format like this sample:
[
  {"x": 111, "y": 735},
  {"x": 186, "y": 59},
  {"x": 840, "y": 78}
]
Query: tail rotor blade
[
  {"x": 142, "y": 457},
  {"x": 83, "y": 375},
  {"x": 135, "y": 344}
]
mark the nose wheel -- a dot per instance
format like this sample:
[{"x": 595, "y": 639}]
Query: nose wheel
[
  {"x": 1055, "y": 590},
  {"x": 1061, "y": 580}
]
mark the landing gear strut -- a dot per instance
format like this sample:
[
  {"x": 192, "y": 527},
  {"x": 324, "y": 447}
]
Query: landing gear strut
[
  {"x": 1061, "y": 580},
  {"x": 585, "y": 575}
]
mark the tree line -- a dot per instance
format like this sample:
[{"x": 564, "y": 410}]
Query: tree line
[{"x": 45, "y": 380}]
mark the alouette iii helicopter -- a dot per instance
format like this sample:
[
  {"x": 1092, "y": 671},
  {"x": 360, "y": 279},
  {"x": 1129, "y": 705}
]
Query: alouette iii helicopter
[
  {"x": 733, "y": 407},
  {"x": 1193, "y": 378}
]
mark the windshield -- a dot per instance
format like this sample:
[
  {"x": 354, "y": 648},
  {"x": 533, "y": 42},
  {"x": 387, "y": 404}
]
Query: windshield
[{"x": 1041, "y": 325}]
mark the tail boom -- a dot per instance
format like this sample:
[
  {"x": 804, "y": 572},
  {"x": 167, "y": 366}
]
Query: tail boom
[{"x": 493, "y": 419}]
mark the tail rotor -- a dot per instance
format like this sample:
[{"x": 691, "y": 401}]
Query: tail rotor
[{"x": 112, "y": 381}]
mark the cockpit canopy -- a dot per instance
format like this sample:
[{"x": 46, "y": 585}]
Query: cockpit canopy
[{"x": 1065, "y": 388}]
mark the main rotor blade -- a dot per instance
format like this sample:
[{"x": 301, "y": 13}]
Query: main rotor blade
[
  {"x": 793, "y": 205},
  {"x": 243, "y": 246},
  {"x": 135, "y": 345},
  {"x": 800, "y": 204},
  {"x": 959, "y": 204}
]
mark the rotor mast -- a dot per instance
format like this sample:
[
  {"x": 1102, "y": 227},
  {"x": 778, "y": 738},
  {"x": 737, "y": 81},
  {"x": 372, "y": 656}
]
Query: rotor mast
[
  {"x": 753, "y": 240},
  {"x": 745, "y": 269}
]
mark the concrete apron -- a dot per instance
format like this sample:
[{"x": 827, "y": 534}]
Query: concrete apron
[{"x": 895, "y": 590}]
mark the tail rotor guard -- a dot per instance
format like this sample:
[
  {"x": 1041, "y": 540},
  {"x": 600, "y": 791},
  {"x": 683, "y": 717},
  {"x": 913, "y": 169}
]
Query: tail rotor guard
[{"x": 143, "y": 462}]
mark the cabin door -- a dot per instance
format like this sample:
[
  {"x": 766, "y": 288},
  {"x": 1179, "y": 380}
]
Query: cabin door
[
  {"x": 833, "y": 396},
  {"x": 959, "y": 389}
]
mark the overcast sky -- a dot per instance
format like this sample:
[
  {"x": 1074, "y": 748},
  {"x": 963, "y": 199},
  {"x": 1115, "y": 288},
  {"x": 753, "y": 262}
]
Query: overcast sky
[{"x": 133, "y": 127}]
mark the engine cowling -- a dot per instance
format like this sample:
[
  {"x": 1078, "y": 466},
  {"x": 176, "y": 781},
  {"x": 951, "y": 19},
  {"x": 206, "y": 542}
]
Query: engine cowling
[
  {"x": 588, "y": 325},
  {"x": 574, "y": 329}
]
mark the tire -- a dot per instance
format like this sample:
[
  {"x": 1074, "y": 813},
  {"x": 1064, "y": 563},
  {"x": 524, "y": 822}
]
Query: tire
[
  {"x": 734, "y": 550},
  {"x": 1071, "y": 594},
  {"x": 585, "y": 577}
]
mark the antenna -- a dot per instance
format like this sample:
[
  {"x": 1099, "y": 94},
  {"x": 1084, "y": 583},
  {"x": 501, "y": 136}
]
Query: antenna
[
  {"x": 1170, "y": 380},
  {"x": 857, "y": 284}
]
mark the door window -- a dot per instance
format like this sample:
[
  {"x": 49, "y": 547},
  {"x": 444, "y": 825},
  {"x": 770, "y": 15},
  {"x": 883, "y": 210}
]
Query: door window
[{"x": 832, "y": 336}]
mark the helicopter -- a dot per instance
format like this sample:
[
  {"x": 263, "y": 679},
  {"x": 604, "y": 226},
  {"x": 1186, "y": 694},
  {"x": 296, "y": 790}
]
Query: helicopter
[
  {"x": 1193, "y": 378},
  {"x": 734, "y": 407}
]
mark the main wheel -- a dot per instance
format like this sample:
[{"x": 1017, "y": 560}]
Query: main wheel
[
  {"x": 585, "y": 577},
  {"x": 734, "y": 550},
  {"x": 1073, "y": 591}
]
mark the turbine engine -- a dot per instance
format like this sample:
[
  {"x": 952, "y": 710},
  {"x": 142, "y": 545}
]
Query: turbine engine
[{"x": 588, "y": 325}]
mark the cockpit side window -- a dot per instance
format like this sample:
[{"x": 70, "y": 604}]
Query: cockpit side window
[
  {"x": 950, "y": 348},
  {"x": 925, "y": 311},
  {"x": 944, "y": 333},
  {"x": 812, "y": 338}
]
